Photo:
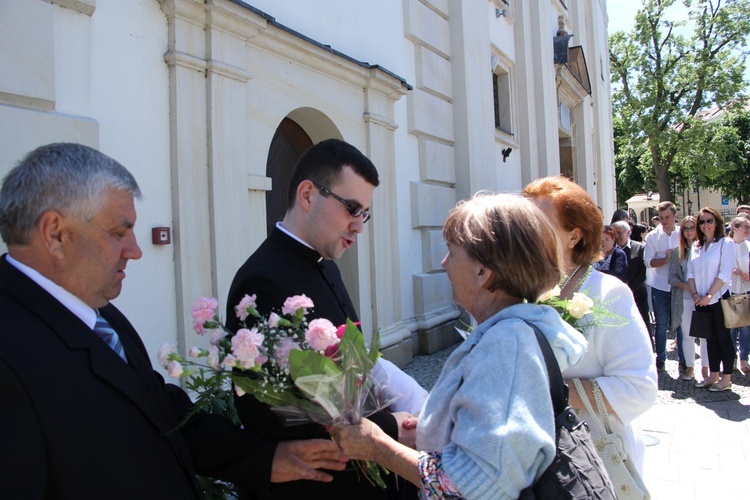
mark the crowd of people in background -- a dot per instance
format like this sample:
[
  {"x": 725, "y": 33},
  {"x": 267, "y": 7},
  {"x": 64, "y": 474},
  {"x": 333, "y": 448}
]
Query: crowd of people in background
[{"x": 687, "y": 267}]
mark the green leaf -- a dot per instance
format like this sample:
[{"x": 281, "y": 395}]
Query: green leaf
[{"x": 304, "y": 363}]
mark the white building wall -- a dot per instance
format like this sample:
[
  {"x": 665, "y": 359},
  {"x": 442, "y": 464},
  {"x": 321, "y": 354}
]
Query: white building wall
[{"x": 187, "y": 94}]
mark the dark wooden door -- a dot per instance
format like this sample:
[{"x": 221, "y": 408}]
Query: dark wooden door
[{"x": 287, "y": 145}]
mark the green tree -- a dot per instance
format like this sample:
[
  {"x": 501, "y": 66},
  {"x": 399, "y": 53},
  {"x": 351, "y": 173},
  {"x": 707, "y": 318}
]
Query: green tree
[
  {"x": 732, "y": 139},
  {"x": 664, "y": 72}
]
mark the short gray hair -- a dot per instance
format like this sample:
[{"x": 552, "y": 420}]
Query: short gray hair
[
  {"x": 621, "y": 224},
  {"x": 69, "y": 178}
]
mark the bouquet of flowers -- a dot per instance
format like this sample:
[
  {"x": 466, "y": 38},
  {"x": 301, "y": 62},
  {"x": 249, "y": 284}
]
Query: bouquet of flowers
[{"x": 306, "y": 371}]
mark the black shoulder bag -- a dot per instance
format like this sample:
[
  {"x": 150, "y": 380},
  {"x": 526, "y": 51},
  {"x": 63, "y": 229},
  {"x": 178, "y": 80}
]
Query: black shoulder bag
[{"x": 576, "y": 472}]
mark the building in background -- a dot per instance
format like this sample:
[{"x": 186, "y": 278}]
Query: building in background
[{"x": 210, "y": 102}]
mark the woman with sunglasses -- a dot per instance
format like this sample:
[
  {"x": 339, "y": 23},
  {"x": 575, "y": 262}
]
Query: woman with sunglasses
[
  {"x": 740, "y": 230},
  {"x": 709, "y": 273},
  {"x": 682, "y": 303}
]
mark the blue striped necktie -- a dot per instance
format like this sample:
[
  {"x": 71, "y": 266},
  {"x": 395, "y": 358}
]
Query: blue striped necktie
[{"x": 105, "y": 332}]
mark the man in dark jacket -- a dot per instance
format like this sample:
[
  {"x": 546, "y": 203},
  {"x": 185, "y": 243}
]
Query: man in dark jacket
[
  {"x": 329, "y": 197},
  {"x": 636, "y": 269},
  {"x": 82, "y": 413}
]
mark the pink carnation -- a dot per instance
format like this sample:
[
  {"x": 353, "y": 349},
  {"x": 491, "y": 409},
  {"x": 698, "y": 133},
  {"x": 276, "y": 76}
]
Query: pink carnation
[
  {"x": 213, "y": 357},
  {"x": 273, "y": 320},
  {"x": 246, "y": 346},
  {"x": 241, "y": 308},
  {"x": 174, "y": 368},
  {"x": 164, "y": 351},
  {"x": 204, "y": 310},
  {"x": 321, "y": 334},
  {"x": 216, "y": 336},
  {"x": 194, "y": 352},
  {"x": 229, "y": 361},
  {"x": 286, "y": 346},
  {"x": 297, "y": 302}
]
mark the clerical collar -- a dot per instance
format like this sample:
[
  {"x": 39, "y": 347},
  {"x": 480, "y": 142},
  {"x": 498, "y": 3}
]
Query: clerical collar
[{"x": 295, "y": 237}]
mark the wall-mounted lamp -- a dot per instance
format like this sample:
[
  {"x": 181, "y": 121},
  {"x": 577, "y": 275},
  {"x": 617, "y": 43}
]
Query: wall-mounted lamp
[
  {"x": 690, "y": 206},
  {"x": 501, "y": 12},
  {"x": 506, "y": 153}
]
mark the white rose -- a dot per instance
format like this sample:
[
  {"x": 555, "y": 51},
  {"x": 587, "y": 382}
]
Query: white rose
[
  {"x": 580, "y": 305},
  {"x": 555, "y": 292}
]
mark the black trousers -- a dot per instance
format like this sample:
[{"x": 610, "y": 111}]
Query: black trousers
[{"x": 721, "y": 352}]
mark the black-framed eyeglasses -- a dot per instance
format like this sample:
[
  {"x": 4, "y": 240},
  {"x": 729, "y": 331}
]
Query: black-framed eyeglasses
[
  {"x": 706, "y": 221},
  {"x": 685, "y": 229},
  {"x": 354, "y": 209}
]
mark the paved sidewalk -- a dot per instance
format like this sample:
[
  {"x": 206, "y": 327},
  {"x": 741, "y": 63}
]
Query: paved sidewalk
[{"x": 698, "y": 441}]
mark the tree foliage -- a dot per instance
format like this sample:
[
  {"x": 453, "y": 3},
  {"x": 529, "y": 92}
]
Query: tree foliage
[{"x": 664, "y": 72}]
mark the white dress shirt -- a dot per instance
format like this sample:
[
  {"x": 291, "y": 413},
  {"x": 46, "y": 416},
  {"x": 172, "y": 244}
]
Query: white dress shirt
[{"x": 657, "y": 244}]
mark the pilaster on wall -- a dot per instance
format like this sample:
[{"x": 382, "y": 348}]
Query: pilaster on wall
[
  {"x": 206, "y": 59},
  {"x": 380, "y": 97},
  {"x": 431, "y": 120}
]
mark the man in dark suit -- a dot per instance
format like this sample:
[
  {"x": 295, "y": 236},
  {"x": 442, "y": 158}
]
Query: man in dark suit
[
  {"x": 82, "y": 413},
  {"x": 328, "y": 201},
  {"x": 636, "y": 269}
]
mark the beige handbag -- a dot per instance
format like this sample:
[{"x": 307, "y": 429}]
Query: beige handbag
[
  {"x": 736, "y": 309},
  {"x": 611, "y": 447}
]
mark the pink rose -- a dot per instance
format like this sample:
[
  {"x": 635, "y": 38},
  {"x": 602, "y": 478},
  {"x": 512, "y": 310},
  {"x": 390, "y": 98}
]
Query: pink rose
[
  {"x": 342, "y": 328},
  {"x": 204, "y": 311},
  {"x": 241, "y": 308},
  {"x": 281, "y": 355},
  {"x": 239, "y": 391},
  {"x": 297, "y": 302},
  {"x": 321, "y": 334},
  {"x": 273, "y": 320},
  {"x": 174, "y": 368},
  {"x": 246, "y": 346},
  {"x": 194, "y": 352},
  {"x": 164, "y": 351}
]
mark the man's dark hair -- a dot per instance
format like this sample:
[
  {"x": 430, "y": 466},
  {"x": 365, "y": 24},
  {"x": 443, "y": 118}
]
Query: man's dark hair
[{"x": 323, "y": 163}]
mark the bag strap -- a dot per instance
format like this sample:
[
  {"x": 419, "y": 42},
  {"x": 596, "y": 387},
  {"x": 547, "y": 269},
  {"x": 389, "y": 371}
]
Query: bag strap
[
  {"x": 587, "y": 403},
  {"x": 557, "y": 388},
  {"x": 601, "y": 406}
]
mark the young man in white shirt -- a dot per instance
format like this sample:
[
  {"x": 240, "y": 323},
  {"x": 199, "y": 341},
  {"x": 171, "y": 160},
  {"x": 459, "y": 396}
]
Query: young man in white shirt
[{"x": 659, "y": 245}]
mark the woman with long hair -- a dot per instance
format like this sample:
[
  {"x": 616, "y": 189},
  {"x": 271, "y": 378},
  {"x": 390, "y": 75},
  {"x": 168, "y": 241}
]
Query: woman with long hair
[
  {"x": 740, "y": 230},
  {"x": 682, "y": 302},
  {"x": 709, "y": 273}
]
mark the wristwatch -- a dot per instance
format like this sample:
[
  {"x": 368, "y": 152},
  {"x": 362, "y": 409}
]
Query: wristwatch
[{"x": 709, "y": 295}]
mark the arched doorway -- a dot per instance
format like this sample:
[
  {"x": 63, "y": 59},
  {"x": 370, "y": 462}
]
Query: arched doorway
[{"x": 287, "y": 145}]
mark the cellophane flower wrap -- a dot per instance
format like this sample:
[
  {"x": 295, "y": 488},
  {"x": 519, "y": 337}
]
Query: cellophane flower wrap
[{"x": 306, "y": 371}]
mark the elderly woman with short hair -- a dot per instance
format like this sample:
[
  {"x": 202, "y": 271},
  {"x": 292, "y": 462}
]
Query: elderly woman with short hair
[{"x": 487, "y": 428}]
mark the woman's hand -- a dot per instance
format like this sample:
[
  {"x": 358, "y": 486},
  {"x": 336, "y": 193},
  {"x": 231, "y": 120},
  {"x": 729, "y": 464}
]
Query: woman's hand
[
  {"x": 361, "y": 441},
  {"x": 703, "y": 300},
  {"x": 407, "y": 428}
]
